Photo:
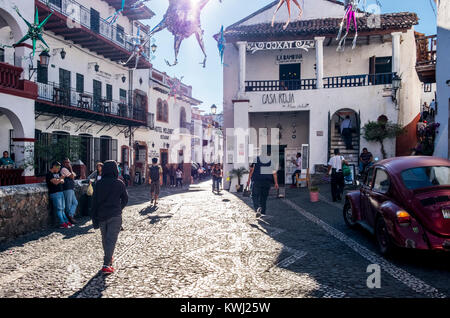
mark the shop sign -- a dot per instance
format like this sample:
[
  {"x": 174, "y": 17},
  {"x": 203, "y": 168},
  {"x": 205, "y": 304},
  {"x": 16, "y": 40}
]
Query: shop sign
[
  {"x": 289, "y": 59},
  {"x": 164, "y": 130}
]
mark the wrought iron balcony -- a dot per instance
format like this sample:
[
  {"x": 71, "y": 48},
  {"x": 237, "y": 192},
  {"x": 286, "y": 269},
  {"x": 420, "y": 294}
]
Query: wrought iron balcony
[
  {"x": 328, "y": 82},
  {"x": 86, "y": 28},
  {"x": 56, "y": 99},
  {"x": 276, "y": 85}
]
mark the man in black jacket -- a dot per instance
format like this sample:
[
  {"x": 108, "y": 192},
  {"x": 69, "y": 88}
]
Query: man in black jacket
[{"x": 110, "y": 197}]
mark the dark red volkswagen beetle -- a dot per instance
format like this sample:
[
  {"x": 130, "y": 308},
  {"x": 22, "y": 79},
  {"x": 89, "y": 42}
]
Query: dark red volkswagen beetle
[{"x": 404, "y": 202}]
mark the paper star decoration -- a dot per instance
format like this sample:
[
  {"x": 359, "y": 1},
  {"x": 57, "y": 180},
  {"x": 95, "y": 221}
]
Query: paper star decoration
[{"x": 34, "y": 30}]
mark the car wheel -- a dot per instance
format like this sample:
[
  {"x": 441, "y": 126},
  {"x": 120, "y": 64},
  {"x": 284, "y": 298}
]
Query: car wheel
[
  {"x": 348, "y": 215},
  {"x": 383, "y": 238}
]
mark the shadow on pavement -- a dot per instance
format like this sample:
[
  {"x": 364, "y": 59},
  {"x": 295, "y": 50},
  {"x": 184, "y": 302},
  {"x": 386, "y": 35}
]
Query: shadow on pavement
[{"x": 94, "y": 287}]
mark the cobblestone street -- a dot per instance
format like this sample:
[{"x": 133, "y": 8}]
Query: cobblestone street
[{"x": 199, "y": 244}]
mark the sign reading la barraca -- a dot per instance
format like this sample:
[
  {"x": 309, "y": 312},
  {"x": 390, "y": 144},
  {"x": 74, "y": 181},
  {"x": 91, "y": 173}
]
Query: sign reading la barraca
[{"x": 280, "y": 45}]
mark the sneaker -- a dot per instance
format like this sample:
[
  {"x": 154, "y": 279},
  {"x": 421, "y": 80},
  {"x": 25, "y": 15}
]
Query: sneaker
[
  {"x": 70, "y": 225},
  {"x": 107, "y": 270},
  {"x": 258, "y": 212},
  {"x": 151, "y": 201},
  {"x": 72, "y": 220},
  {"x": 64, "y": 226}
]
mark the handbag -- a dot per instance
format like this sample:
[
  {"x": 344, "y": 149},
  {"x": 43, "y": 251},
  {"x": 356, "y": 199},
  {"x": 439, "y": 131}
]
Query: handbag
[
  {"x": 246, "y": 192},
  {"x": 90, "y": 190}
]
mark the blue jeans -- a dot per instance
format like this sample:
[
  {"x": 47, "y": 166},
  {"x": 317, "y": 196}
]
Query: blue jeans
[
  {"x": 71, "y": 202},
  {"x": 216, "y": 183},
  {"x": 260, "y": 193},
  {"x": 58, "y": 206},
  {"x": 363, "y": 165}
]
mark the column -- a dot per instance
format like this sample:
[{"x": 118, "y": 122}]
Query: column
[
  {"x": 242, "y": 65},
  {"x": 396, "y": 36},
  {"x": 319, "y": 60}
]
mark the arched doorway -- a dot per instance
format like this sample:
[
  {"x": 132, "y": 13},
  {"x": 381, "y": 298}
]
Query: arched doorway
[{"x": 335, "y": 139}]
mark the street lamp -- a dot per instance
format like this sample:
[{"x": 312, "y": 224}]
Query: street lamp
[
  {"x": 396, "y": 84},
  {"x": 44, "y": 60}
]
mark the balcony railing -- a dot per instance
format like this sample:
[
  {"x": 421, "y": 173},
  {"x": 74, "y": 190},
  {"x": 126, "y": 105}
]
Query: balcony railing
[
  {"x": 58, "y": 95},
  {"x": 10, "y": 76},
  {"x": 358, "y": 80},
  {"x": 328, "y": 82},
  {"x": 276, "y": 85},
  {"x": 78, "y": 14}
]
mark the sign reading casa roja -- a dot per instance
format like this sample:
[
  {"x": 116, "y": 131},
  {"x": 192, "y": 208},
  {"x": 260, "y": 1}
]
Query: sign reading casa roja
[{"x": 286, "y": 100}]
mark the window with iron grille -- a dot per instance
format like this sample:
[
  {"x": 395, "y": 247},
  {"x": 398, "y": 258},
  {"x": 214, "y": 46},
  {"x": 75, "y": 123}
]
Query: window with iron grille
[{"x": 109, "y": 91}]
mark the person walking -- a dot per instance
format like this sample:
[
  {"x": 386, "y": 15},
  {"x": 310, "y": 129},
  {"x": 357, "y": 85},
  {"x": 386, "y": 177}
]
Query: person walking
[
  {"x": 172, "y": 174},
  {"x": 298, "y": 164},
  {"x": 97, "y": 174},
  {"x": 425, "y": 111},
  {"x": 110, "y": 198},
  {"x": 337, "y": 176},
  {"x": 346, "y": 132},
  {"x": 70, "y": 199},
  {"x": 262, "y": 181},
  {"x": 156, "y": 174},
  {"x": 126, "y": 173},
  {"x": 432, "y": 109},
  {"x": 165, "y": 174},
  {"x": 217, "y": 176},
  {"x": 179, "y": 175},
  {"x": 55, "y": 190}
]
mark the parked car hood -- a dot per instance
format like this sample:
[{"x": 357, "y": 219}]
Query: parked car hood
[{"x": 429, "y": 205}]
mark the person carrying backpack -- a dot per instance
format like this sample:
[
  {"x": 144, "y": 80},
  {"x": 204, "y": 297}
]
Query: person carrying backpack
[{"x": 155, "y": 180}]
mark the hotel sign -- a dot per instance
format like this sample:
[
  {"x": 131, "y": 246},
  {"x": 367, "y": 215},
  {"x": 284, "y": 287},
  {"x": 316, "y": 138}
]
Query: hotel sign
[{"x": 280, "y": 45}]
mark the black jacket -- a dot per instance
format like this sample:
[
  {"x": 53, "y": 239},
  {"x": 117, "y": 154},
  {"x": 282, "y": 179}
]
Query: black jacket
[{"x": 110, "y": 195}]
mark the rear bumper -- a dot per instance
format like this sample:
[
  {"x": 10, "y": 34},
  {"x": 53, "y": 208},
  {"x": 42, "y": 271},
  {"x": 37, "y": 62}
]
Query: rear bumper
[{"x": 419, "y": 239}]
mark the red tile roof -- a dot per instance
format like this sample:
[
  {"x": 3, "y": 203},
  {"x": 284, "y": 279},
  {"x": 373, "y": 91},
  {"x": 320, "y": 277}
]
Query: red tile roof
[{"x": 317, "y": 27}]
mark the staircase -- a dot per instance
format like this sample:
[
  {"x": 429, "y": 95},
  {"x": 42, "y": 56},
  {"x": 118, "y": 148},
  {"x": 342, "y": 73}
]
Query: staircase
[{"x": 350, "y": 155}]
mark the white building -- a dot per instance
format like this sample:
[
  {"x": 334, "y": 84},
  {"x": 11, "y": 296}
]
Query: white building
[
  {"x": 88, "y": 102},
  {"x": 296, "y": 81},
  {"x": 171, "y": 102},
  {"x": 443, "y": 78}
]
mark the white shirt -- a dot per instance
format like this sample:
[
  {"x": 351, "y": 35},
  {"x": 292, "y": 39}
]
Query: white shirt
[
  {"x": 347, "y": 123},
  {"x": 299, "y": 163},
  {"x": 336, "y": 162},
  {"x": 179, "y": 174},
  {"x": 433, "y": 105}
]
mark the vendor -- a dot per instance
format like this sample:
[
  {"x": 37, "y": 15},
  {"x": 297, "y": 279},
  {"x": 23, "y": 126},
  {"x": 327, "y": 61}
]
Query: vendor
[{"x": 6, "y": 160}]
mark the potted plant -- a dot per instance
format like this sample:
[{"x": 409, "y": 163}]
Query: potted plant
[
  {"x": 378, "y": 131},
  {"x": 314, "y": 193},
  {"x": 239, "y": 173}
]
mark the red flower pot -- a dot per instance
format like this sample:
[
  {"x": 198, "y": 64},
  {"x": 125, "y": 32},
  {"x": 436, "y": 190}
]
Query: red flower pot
[{"x": 314, "y": 196}]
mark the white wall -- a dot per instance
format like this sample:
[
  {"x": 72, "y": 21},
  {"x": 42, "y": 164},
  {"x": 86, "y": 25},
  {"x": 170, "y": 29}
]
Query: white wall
[{"x": 442, "y": 76}]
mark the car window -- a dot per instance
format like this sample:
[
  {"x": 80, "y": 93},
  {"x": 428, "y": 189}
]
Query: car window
[
  {"x": 369, "y": 177},
  {"x": 382, "y": 182},
  {"x": 424, "y": 177}
]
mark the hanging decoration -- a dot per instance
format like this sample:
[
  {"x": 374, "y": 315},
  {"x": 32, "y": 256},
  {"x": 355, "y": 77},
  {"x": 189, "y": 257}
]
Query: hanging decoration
[
  {"x": 138, "y": 48},
  {"x": 351, "y": 6},
  {"x": 113, "y": 18},
  {"x": 221, "y": 45},
  {"x": 288, "y": 4},
  {"x": 175, "y": 88},
  {"x": 182, "y": 19},
  {"x": 34, "y": 30}
]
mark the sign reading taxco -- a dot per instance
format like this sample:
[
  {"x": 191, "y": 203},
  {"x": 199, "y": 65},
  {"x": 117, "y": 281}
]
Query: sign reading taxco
[
  {"x": 280, "y": 45},
  {"x": 285, "y": 100}
]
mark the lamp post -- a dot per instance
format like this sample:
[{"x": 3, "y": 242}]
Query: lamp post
[{"x": 396, "y": 84}]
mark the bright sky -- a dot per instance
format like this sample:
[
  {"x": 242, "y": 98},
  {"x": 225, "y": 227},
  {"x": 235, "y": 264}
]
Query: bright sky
[{"x": 207, "y": 82}]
